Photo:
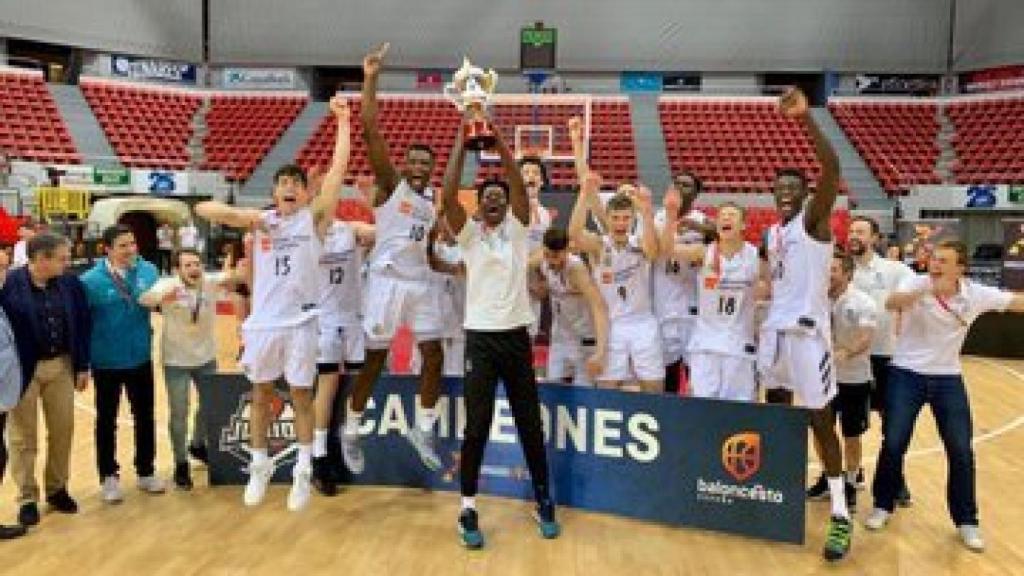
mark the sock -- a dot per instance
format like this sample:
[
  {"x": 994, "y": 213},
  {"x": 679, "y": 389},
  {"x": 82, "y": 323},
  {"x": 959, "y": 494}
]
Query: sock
[
  {"x": 469, "y": 502},
  {"x": 851, "y": 476},
  {"x": 837, "y": 489},
  {"x": 305, "y": 455},
  {"x": 352, "y": 421},
  {"x": 426, "y": 417},
  {"x": 319, "y": 443},
  {"x": 259, "y": 455}
]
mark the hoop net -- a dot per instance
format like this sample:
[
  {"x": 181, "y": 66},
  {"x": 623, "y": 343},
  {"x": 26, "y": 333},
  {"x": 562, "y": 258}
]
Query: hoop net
[{"x": 535, "y": 124}]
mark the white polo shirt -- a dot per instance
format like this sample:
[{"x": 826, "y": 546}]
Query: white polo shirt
[
  {"x": 852, "y": 312},
  {"x": 930, "y": 334},
  {"x": 496, "y": 264},
  {"x": 878, "y": 278}
]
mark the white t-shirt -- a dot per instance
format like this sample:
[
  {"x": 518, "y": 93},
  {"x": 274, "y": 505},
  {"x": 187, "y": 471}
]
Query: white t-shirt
[
  {"x": 286, "y": 265},
  {"x": 727, "y": 286},
  {"x": 341, "y": 278},
  {"x": 188, "y": 321},
  {"x": 799, "y": 265},
  {"x": 851, "y": 312},
  {"x": 20, "y": 256},
  {"x": 878, "y": 278},
  {"x": 930, "y": 334},
  {"x": 570, "y": 313},
  {"x": 187, "y": 236},
  {"x": 538, "y": 227},
  {"x": 623, "y": 276},
  {"x": 674, "y": 282},
  {"x": 403, "y": 224},
  {"x": 496, "y": 266},
  {"x": 165, "y": 238}
]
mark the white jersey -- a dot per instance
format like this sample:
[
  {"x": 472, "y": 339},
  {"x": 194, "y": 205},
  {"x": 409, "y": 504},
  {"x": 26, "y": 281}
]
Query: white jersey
[
  {"x": 570, "y": 313},
  {"x": 800, "y": 267},
  {"x": 535, "y": 233},
  {"x": 341, "y": 281},
  {"x": 451, "y": 290},
  {"x": 674, "y": 281},
  {"x": 851, "y": 312},
  {"x": 402, "y": 226},
  {"x": 623, "y": 276},
  {"x": 878, "y": 278},
  {"x": 285, "y": 259},
  {"x": 727, "y": 286}
]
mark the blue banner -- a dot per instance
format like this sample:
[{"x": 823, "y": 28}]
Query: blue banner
[
  {"x": 640, "y": 82},
  {"x": 152, "y": 69},
  {"x": 726, "y": 466}
]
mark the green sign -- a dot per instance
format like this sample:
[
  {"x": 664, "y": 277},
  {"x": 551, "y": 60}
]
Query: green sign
[
  {"x": 1016, "y": 194},
  {"x": 537, "y": 36},
  {"x": 111, "y": 177}
]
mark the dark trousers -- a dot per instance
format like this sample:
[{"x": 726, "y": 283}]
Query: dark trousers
[
  {"x": 880, "y": 377},
  {"x": 138, "y": 385},
  {"x": 506, "y": 355},
  {"x": 907, "y": 393}
]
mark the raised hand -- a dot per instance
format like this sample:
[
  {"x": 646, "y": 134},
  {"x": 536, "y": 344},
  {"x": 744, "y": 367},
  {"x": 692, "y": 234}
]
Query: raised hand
[
  {"x": 793, "y": 104},
  {"x": 575, "y": 126},
  {"x": 672, "y": 201},
  {"x": 372, "y": 61},
  {"x": 591, "y": 183},
  {"x": 643, "y": 198},
  {"x": 339, "y": 107},
  {"x": 595, "y": 365}
]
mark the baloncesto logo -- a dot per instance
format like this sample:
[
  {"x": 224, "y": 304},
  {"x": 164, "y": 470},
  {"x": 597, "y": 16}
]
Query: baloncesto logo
[
  {"x": 281, "y": 447},
  {"x": 741, "y": 459}
]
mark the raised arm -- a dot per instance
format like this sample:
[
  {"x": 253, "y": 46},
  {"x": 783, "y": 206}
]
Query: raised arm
[
  {"x": 579, "y": 152},
  {"x": 819, "y": 209},
  {"x": 534, "y": 278},
  {"x": 667, "y": 236},
  {"x": 454, "y": 213},
  {"x": 327, "y": 200},
  {"x": 518, "y": 200},
  {"x": 581, "y": 280},
  {"x": 376, "y": 147},
  {"x": 220, "y": 213},
  {"x": 649, "y": 232},
  {"x": 584, "y": 239}
]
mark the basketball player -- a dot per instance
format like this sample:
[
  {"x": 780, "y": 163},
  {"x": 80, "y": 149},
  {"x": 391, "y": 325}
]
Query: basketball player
[
  {"x": 622, "y": 269},
  {"x": 795, "y": 349},
  {"x": 535, "y": 177},
  {"x": 341, "y": 340},
  {"x": 280, "y": 333},
  {"x": 579, "y": 317},
  {"x": 448, "y": 281},
  {"x": 397, "y": 291},
  {"x": 877, "y": 277},
  {"x": 936, "y": 312},
  {"x": 730, "y": 275},
  {"x": 854, "y": 320},
  {"x": 495, "y": 248}
]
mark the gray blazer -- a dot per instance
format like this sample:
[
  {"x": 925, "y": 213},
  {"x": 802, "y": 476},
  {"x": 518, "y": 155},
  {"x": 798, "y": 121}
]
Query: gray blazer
[{"x": 10, "y": 367}]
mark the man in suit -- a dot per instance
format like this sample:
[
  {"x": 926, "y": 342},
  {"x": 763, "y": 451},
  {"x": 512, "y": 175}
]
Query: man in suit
[
  {"x": 10, "y": 388},
  {"x": 50, "y": 319}
]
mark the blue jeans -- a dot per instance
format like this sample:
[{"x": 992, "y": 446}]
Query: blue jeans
[{"x": 907, "y": 393}]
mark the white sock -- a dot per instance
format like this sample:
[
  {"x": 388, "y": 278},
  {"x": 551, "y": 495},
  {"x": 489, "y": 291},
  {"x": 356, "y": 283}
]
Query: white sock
[
  {"x": 319, "y": 443},
  {"x": 851, "y": 477},
  {"x": 426, "y": 417},
  {"x": 305, "y": 456},
  {"x": 259, "y": 455},
  {"x": 837, "y": 489},
  {"x": 352, "y": 421},
  {"x": 469, "y": 502}
]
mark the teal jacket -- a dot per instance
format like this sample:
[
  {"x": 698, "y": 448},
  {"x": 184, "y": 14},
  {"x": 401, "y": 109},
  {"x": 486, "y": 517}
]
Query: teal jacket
[{"x": 121, "y": 333}]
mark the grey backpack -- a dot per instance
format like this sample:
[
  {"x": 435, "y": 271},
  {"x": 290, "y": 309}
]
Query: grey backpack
[{"x": 10, "y": 367}]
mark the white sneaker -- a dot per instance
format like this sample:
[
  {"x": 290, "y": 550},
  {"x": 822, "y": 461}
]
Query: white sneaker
[
  {"x": 259, "y": 477},
  {"x": 298, "y": 497},
  {"x": 151, "y": 484},
  {"x": 877, "y": 519},
  {"x": 423, "y": 442},
  {"x": 111, "y": 490},
  {"x": 352, "y": 453},
  {"x": 970, "y": 535}
]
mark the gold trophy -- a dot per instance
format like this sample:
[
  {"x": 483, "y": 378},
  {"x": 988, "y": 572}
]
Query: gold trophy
[{"x": 470, "y": 90}]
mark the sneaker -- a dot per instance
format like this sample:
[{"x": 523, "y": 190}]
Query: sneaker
[
  {"x": 851, "y": 495},
  {"x": 819, "y": 491},
  {"x": 28, "y": 515},
  {"x": 12, "y": 532},
  {"x": 111, "y": 490},
  {"x": 352, "y": 453},
  {"x": 970, "y": 535},
  {"x": 62, "y": 502},
  {"x": 877, "y": 519},
  {"x": 323, "y": 477},
  {"x": 298, "y": 496},
  {"x": 545, "y": 517},
  {"x": 182, "y": 476},
  {"x": 423, "y": 442},
  {"x": 151, "y": 484},
  {"x": 903, "y": 497},
  {"x": 838, "y": 539},
  {"x": 259, "y": 477},
  {"x": 199, "y": 453},
  {"x": 859, "y": 483},
  {"x": 469, "y": 529}
]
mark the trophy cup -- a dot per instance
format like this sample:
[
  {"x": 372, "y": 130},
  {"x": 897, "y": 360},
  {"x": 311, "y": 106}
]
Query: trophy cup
[{"x": 470, "y": 90}]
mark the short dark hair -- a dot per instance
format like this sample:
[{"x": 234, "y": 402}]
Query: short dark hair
[
  {"x": 963, "y": 258},
  {"x": 698, "y": 184},
  {"x": 538, "y": 162},
  {"x": 487, "y": 184},
  {"x": 112, "y": 232},
  {"x": 791, "y": 171},
  {"x": 176, "y": 257},
  {"x": 292, "y": 171},
  {"x": 620, "y": 202},
  {"x": 556, "y": 239},
  {"x": 875, "y": 228},
  {"x": 44, "y": 243},
  {"x": 847, "y": 260},
  {"x": 421, "y": 147}
]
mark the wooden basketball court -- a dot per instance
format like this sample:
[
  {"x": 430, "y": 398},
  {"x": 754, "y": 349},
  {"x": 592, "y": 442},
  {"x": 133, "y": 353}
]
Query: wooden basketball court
[{"x": 404, "y": 531}]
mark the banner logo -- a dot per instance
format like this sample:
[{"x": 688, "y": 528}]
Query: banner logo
[
  {"x": 281, "y": 447},
  {"x": 741, "y": 455}
]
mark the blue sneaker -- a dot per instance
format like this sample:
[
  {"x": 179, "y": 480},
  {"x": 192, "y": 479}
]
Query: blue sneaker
[
  {"x": 469, "y": 529},
  {"x": 545, "y": 517}
]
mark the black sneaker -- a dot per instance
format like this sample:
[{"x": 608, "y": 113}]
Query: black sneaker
[
  {"x": 12, "y": 532},
  {"x": 182, "y": 476},
  {"x": 838, "y": 539},
  {"x": 323, "y": 479},
  {"x": 819, "y": 491},
  {"x": 199, "y": 453},
  {"x": 62, "y": 502},
  {"x": 28, "y": 515},
  {"x": 546, "y": 523},
  {"x": 851, "y": 495},
  {"x": 860, "y": 478},
  {"x": 903, "y": 497},
  {"x": 469, "y": 529}
]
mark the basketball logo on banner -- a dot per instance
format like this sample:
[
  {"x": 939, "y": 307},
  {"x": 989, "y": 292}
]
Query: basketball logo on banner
[
  {"x": 741, "y": 455},
  {"x": 234, "y": 438}
]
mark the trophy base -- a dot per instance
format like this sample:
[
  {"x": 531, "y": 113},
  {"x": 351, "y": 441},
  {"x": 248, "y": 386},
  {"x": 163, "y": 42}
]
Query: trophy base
[{"x": 480, "y": 143}]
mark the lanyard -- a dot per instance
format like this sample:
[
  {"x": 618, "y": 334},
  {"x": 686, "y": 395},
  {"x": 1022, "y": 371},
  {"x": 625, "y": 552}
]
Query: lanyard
[
  {"x": 945, "y": 306},
  {"x": 120, "y": 284}
]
